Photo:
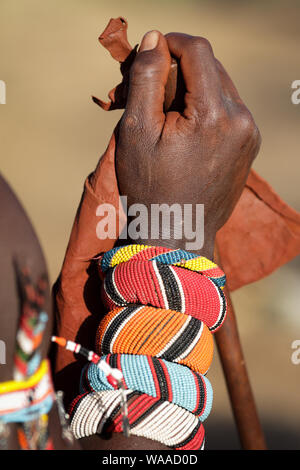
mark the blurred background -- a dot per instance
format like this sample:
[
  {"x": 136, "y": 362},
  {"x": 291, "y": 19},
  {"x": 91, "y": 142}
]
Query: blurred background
[{"x": 51, "y": 136}]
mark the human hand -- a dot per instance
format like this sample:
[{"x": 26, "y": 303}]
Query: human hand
[{"x": 200, "y": 156}]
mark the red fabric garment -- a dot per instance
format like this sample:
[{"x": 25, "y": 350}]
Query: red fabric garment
[
  {"x": 77, "y": 290},
  {"x": 262, "y": 234}
]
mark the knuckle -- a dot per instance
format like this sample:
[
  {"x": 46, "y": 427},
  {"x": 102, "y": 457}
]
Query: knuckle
[
  {"x": 130, "y": 128},
  {"x": 201, "y": 44},
  {"x": 246, "y": 125},
  {"x": 137, "y": 67},
  {"x": 247, "y": 132},
  {"x": 129, "y": 121},
  {"x": 216, "y": 116},
  {"x": 133, "y": 129},
  {"x": 144, "y": 68}
]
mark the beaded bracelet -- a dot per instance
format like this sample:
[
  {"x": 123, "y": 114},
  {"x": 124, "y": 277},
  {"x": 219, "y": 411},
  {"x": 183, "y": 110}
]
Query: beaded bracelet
[
  {"x": 185, "y": 259},
  {"x": 148, "y": 417},
  {"x": 165, "y": 304},
  {"x": 157, "y": 332},
  {"x": 157, "y": 378},
  {"x": 169, "y": 287}
]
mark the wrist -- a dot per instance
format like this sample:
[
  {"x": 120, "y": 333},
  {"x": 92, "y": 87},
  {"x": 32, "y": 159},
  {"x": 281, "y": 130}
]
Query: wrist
[
  {"x": 172, "y": 226},
  {"x": 207, "y": 249}
]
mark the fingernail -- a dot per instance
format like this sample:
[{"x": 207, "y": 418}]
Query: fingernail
[{"x": 149, "y": 41}]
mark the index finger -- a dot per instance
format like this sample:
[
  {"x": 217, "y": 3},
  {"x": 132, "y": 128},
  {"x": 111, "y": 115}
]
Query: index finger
[{"x": 200, "y": 73}]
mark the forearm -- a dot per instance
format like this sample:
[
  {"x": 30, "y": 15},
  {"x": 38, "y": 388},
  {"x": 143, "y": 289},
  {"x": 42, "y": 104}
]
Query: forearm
[{"x": 118, "y": 441}]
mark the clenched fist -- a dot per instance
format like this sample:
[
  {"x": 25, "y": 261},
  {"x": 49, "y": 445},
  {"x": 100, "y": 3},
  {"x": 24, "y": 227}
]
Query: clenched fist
[{"x": 201, "y": 154}]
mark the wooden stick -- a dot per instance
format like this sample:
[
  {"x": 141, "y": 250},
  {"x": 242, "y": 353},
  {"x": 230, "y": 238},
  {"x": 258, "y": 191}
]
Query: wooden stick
[{"x": 238, "y": 384}]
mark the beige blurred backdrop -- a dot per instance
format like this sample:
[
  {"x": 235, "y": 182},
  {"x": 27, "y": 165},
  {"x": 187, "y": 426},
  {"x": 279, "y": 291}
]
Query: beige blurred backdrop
[{"x": 51, "y": 136}]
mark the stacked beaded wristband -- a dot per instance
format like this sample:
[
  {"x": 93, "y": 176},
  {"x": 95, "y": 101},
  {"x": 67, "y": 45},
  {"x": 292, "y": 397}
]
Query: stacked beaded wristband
[{"x": 164, "y": 306}]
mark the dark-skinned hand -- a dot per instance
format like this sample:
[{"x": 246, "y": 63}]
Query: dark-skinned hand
[{"x": 201, "y": 155}]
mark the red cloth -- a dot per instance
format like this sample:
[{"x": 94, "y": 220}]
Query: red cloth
[{"x": 262, "y": 234}]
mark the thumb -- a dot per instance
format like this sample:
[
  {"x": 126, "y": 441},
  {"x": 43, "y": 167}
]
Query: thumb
[{"x": 147, "y": 81}]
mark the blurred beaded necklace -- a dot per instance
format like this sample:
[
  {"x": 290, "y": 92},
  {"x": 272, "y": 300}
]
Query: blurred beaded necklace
[{"x": 27, "y": 399}]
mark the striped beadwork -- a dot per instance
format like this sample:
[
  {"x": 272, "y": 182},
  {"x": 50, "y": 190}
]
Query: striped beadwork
[
  {"x": 186, "y": 259},
  {"x": 163, "y": 307},
  {"x": 25, "y": 401},
  {"x": 168, "y": 287},
  {"x": 157, "y": 332},
  {"x": 148, "y": 417},
  {"x": 28, "y": 398},
  {"x": 33, "y": 321},
  {"x": 157, "y": 378}
]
